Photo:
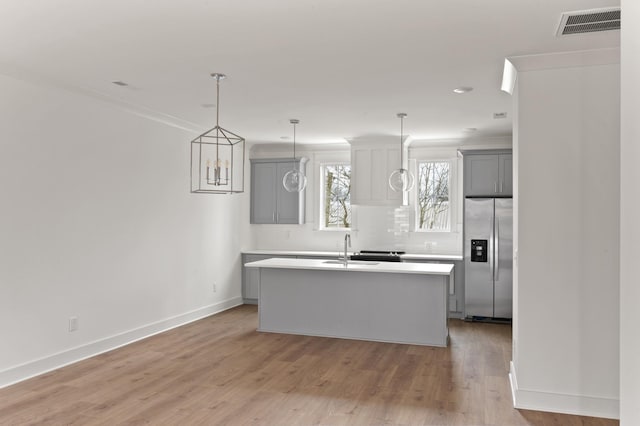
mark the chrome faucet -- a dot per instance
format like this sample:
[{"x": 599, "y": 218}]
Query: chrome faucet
[{"x": 347, "y": 241}]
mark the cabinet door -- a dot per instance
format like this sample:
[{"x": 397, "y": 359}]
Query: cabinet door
[
  {"x": 371, "y": 168},
  {"x": 252, "y": 283},
  {"x": 392, "y": 162},
  {"x": 455, "y": 284},
  {"x": 481, "y": 175},
  {"x": 360, "y": 176},
  {"x": 263, "y": 193},
  {"x": 251, "y": 277},
  {"x": 506, "y": 174},
  {"x": 286, "y": 202}
]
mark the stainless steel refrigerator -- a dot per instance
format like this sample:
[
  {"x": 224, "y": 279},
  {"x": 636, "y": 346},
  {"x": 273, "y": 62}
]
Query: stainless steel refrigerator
[{"x": 488, "y": 257}]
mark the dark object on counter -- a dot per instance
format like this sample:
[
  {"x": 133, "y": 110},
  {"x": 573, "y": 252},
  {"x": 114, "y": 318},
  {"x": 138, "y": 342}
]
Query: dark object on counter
[{"x": 378, "y": 256}]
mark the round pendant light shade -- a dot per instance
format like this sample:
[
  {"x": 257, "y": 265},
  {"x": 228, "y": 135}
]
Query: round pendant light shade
[
  {"x": 401, "y": 180},
  {"x": 294, "y": 180}
]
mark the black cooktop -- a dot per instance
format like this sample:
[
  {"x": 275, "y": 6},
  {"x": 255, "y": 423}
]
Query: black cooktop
[{"x": 378, "y": 255}]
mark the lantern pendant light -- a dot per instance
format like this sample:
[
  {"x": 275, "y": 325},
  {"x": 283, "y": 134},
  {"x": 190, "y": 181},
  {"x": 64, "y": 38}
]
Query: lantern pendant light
[
  {"x": 217, "y": 157},
  {"x": 401, "y": 180},
  {"x": 294, "y": 180}
]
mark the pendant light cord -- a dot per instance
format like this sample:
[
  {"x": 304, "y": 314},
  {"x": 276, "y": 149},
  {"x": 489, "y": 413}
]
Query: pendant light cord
[
  {"x": 401, "y": 116},
  {"x": 294, "y": 121},
  {"x": 218, "y": 77},
  {"x": 217, "y": 100},
  {"x": 401, "y": 150}
]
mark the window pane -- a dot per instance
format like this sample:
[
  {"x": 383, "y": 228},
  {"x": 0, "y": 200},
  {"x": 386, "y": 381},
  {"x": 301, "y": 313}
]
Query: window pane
[
  {"x": 433, "y": 196},
  {"x": 337, "y": 196}
]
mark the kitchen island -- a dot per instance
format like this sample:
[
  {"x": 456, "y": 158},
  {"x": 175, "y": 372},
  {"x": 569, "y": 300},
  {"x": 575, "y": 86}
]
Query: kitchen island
[{"x": 389, "y": 302}]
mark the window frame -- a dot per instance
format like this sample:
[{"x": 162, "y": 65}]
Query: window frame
[
  {"x": 453, "y": 193},
  {"x": 321, "y": 196}
]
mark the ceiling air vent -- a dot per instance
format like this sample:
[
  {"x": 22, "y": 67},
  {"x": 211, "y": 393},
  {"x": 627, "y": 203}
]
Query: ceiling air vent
[{"x": 589, "y": 21}]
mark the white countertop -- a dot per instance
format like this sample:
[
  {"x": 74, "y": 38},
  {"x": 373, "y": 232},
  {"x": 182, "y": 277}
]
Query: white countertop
[
  {"x": 354, "y": 266},
  {"x": 334, "y": 253},
  {"x": 405, "y": 257},
  {"x": 416, "y": 256}
]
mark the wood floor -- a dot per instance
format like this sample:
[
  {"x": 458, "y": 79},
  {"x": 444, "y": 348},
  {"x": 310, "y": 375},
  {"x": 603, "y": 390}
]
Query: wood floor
[{"x": 221, "y": 371}]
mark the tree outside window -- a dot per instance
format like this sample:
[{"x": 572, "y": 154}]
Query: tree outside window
[
  {"x": 336, "y": 201},
  {"x": 433, "y": 196}
]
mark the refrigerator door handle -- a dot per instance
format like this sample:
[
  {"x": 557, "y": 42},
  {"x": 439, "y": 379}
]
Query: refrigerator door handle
[
  {"x": 492, "y": 242},
  {"x": 496, "y": 242}
]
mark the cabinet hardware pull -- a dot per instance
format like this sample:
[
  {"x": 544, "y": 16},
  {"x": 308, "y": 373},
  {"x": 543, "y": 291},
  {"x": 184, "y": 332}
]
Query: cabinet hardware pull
[
  {"x": 274, "y": 217},
  {"x": 495, "y": 186},
  {"x": 501, "y": 187}
]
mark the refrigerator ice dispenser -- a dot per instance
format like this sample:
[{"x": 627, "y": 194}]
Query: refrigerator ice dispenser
[{"x": 478, "y": 250}]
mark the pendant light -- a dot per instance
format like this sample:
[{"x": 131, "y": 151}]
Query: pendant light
[
  {"x": 294, "y": 180},
  {"x": 401, "y": 180},
  {"x": 217, "y": 157}
]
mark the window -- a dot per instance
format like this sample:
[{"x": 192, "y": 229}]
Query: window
[
  {"x": 433, "y": 207},
  {"x": 335, "y": 206}
]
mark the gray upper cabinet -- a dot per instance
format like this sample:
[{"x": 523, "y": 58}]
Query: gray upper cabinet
[
  {"x": 270, "y": 202},
  {"x": 263, "y": 200},
  {"x": 287, "y": 203},
  {"x": 506, "y": 174},
  {"x": 488, "y": 173}
]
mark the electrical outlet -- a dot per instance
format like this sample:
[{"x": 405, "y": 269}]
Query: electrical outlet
[
  {"x": 73, "y": 324},
  {"x": 215, "y": 287}
]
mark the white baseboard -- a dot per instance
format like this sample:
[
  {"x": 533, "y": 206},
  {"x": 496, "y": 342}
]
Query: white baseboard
[
  {"x": 562, "y": 403},
  {"x": 35, "y": 368}
]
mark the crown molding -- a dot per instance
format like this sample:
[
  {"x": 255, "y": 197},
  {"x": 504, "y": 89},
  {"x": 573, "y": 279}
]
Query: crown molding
[
  {"x": 32, "y": 77},
  {"x": 580, "y": 58}
]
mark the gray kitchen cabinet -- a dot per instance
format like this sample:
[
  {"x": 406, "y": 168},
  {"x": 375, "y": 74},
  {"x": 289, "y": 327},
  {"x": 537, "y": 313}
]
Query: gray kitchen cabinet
[
  {"x": 506, "y": 173},
  {"x": 251, "y": 277},
  {"x": 270, "y": 202},
  {"x": 488, "y": 173},
  {"x": 263, "y": 199},
  {"x": 456, "y": 286}
]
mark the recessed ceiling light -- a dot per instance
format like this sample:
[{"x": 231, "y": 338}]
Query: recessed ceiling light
[
  {"x": 462, "y": 89},
  {"x": 497, "y": 115},
  {"x": 120, "y": 83}
]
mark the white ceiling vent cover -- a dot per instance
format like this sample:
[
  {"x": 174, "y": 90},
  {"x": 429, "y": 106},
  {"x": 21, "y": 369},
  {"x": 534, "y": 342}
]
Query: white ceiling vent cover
[{"x": 589, "y": 21}]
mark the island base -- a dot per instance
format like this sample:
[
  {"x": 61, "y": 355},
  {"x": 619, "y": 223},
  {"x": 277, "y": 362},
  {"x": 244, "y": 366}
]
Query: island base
[{"x": 385, "y": 307}]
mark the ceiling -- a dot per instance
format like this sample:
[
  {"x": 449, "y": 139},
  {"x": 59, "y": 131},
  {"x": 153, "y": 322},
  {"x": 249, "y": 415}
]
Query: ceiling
[{"x": 343, "y": 67}]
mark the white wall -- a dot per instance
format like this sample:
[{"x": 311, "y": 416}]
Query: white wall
[
  {"x": 630, "y": 225},
  {"x": 97, "y": 222},
  {"x": 566, "y": 343},
  {"x": 373, "y": 225}
]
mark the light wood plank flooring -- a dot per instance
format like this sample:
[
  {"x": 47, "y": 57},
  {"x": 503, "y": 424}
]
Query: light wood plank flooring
[{"x": 219, "y": 370}]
